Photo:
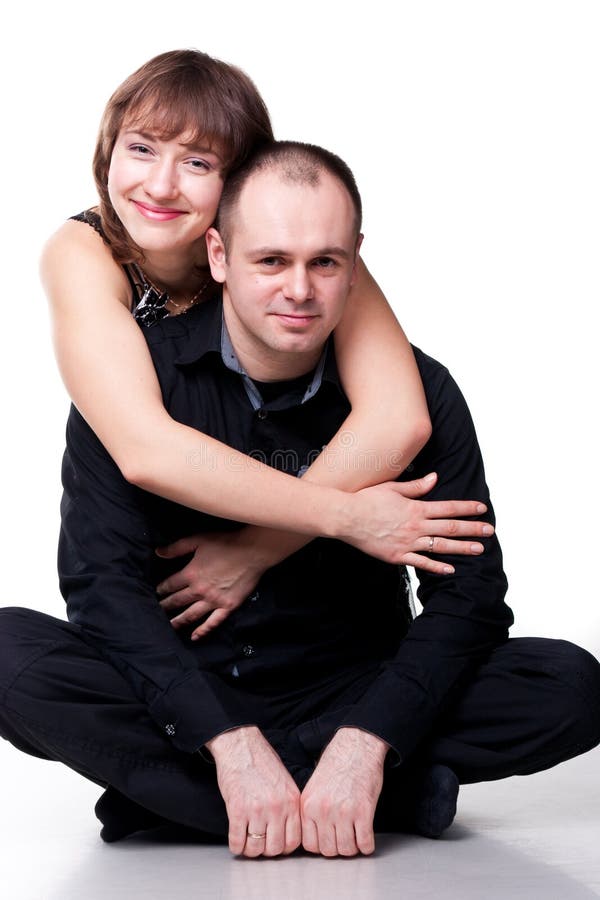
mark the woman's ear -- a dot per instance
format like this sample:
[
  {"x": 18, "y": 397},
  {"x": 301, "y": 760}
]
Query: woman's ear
[{"x": 217, "y": 258}]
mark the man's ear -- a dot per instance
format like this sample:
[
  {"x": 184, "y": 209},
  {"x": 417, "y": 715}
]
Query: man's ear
[
  {"x": 359, "y": 241},
  {"x": 217, "y": 258}
]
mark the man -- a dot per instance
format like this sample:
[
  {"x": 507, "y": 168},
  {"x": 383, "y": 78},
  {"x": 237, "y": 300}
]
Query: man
[{"x": 318, "y": 708}]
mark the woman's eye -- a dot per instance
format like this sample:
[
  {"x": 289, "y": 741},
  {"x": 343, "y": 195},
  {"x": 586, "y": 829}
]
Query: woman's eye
[
  {"x": 200, "y": 164},
  {"x": 139, "y": 148}
]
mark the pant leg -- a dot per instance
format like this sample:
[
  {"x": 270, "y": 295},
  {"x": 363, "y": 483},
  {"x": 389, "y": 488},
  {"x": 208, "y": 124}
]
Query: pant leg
[
  {"x": 534, "y": 703},
  {"x": 60, "y": 700}
]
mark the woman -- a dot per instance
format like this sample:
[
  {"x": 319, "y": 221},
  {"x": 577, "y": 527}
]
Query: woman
[{"x": 169, "y": 136}]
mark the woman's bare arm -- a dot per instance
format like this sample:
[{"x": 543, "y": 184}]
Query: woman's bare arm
[
  {"x": 109, "y": 374},
  {"x": 389, "y": 422}
]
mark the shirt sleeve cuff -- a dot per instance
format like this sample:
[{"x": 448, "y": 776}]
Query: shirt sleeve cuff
[{"x": 195, "y": 709}]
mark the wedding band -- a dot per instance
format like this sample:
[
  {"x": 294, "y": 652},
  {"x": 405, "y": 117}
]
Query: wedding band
[
  {"x": 431, "y": 540},
  {"x": 257, "y": 837}
]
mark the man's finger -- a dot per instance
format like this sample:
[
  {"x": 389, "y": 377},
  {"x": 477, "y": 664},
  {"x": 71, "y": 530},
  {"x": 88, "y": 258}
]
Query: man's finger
[
  {"x": 293, "y": 833},
  {"x": 310, "y": 838},
  {"x": 275, "y": 840},
  {"x": 327, "y": 844},
  {"x": 237, "y": 834},
  {"x": 214, "y": 620},
  {"x": 365, "y": 838},
  {"x": 345, "y": 838},
  {"x": 256, "y": 840}
]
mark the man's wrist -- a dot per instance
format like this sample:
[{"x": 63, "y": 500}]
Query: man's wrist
[
  {"x": 365, "y": 741},
  {"x": 223, "y": 744}
]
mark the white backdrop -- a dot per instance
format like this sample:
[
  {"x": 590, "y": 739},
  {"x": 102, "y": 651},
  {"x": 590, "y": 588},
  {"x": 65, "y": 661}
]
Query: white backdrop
[{"x": 474, "y": 133}]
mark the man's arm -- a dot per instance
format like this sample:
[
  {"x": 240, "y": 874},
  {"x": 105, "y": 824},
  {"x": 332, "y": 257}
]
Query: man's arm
[
  {"x": 106, "y": 552},
  {"x": 464, "y": 617},
  {"x": 464, "y": 614}
]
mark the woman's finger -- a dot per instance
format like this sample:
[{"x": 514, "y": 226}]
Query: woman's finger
[{"x": 213, "y": 621}]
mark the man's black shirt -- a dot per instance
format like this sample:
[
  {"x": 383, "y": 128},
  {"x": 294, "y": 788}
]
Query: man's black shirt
[{"x": 326, "y": 609}]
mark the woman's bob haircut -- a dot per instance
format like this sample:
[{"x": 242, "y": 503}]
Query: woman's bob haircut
[{"x": 182, "y": 92}]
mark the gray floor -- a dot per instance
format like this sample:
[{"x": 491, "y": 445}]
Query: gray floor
[{"x": 533, "y": 837}]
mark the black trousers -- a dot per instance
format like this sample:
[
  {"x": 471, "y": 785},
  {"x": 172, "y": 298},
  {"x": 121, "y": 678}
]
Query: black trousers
[{"x": 532, "y": 704}]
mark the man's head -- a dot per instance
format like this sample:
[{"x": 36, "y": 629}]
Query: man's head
[{"x": 285, "y": 247}]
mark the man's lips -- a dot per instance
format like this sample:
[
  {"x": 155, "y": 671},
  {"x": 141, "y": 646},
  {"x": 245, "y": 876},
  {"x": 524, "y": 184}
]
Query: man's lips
[
  {"x": 295, "y": 320},
  {"x": 157, "y": 213}
]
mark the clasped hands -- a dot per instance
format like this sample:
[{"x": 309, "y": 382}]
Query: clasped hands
[
  {"x": 387, "y": 521},
  {"x": 268, "y": 816}
]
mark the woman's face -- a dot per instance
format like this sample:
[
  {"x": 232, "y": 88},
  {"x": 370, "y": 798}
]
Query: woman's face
[{"x": 165, "y": 193}]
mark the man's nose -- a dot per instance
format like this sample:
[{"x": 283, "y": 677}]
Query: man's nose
[
  {"x": 298, "y": 285},
  {"x": 161, "y": 180}
]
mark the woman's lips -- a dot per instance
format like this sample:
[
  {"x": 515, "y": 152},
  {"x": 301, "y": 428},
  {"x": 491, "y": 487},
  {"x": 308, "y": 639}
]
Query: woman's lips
[{"x": 157, "y": 213}]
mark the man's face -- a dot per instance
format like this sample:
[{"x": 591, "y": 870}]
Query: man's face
[{"x": 287, "y": 273}]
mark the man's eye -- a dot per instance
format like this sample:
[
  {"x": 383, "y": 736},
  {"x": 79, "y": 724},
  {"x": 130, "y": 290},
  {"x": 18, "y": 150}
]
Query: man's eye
[
  {"x": 325, "y": 262},
  {"x": 271, "y": 261}
]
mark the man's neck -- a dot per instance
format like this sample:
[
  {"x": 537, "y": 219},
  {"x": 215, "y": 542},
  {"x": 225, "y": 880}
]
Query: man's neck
[{"x": 262, "y": 363}]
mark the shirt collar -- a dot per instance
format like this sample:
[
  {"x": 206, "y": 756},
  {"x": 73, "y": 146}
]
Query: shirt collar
[{"x": 208, "y": 334}]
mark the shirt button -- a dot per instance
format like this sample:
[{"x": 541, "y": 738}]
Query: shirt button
[
  {"x": 248, "y": 650},
  {"x": 253, "y": 597},
  {"x": 170, "y": 729},
  {"x": 262, "y": 413}
]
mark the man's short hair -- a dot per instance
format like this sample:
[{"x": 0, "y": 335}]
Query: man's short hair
[{"x": 296, "y": 163}]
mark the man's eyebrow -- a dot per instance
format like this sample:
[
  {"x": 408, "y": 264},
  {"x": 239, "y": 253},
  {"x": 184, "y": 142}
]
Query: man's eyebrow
[{"x": 274, "y": 251}]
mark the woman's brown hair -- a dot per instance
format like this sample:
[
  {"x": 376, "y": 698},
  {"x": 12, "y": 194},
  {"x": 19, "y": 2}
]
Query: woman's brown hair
[{"x": 180, "y": 92}]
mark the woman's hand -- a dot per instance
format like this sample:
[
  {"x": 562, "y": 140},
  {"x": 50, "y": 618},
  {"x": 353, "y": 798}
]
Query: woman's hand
[
  {"x": 223, "y": 571},
  {"x": 390, "y": 523}
]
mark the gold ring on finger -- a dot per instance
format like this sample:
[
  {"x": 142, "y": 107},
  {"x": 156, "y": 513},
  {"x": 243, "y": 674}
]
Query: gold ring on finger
[
  {"x": 431, "y": 542},
  {"x": 257, "y": 837}
]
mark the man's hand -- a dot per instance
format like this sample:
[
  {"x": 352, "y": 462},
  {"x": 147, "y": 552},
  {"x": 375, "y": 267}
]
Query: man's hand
[
  {"x": 262, "y": 800},
  {"x": 338, "y": 803},
  {"x": 224, "y": 570},
  {"x": 386, "y": 522}
]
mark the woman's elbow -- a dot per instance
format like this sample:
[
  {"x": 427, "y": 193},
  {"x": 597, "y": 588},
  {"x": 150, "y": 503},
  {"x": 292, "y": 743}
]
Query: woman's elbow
[{"x": 421, "y": 431}]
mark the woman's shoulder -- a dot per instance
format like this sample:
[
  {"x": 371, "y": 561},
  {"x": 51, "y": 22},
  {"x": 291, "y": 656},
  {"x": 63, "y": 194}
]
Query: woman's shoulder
[
  {"x": 80, "y": 237},
  {"x": 92, "y": 218},
  {"x": 82, "y": 231},
  {"x": 78, "y": 251}
]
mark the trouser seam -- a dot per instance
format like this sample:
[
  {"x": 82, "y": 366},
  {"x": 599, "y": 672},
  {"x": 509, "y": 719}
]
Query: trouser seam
[{"x": 66, "y": 740}]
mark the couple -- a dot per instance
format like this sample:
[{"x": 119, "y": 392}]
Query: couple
[{"x": 276, "y": 688}]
